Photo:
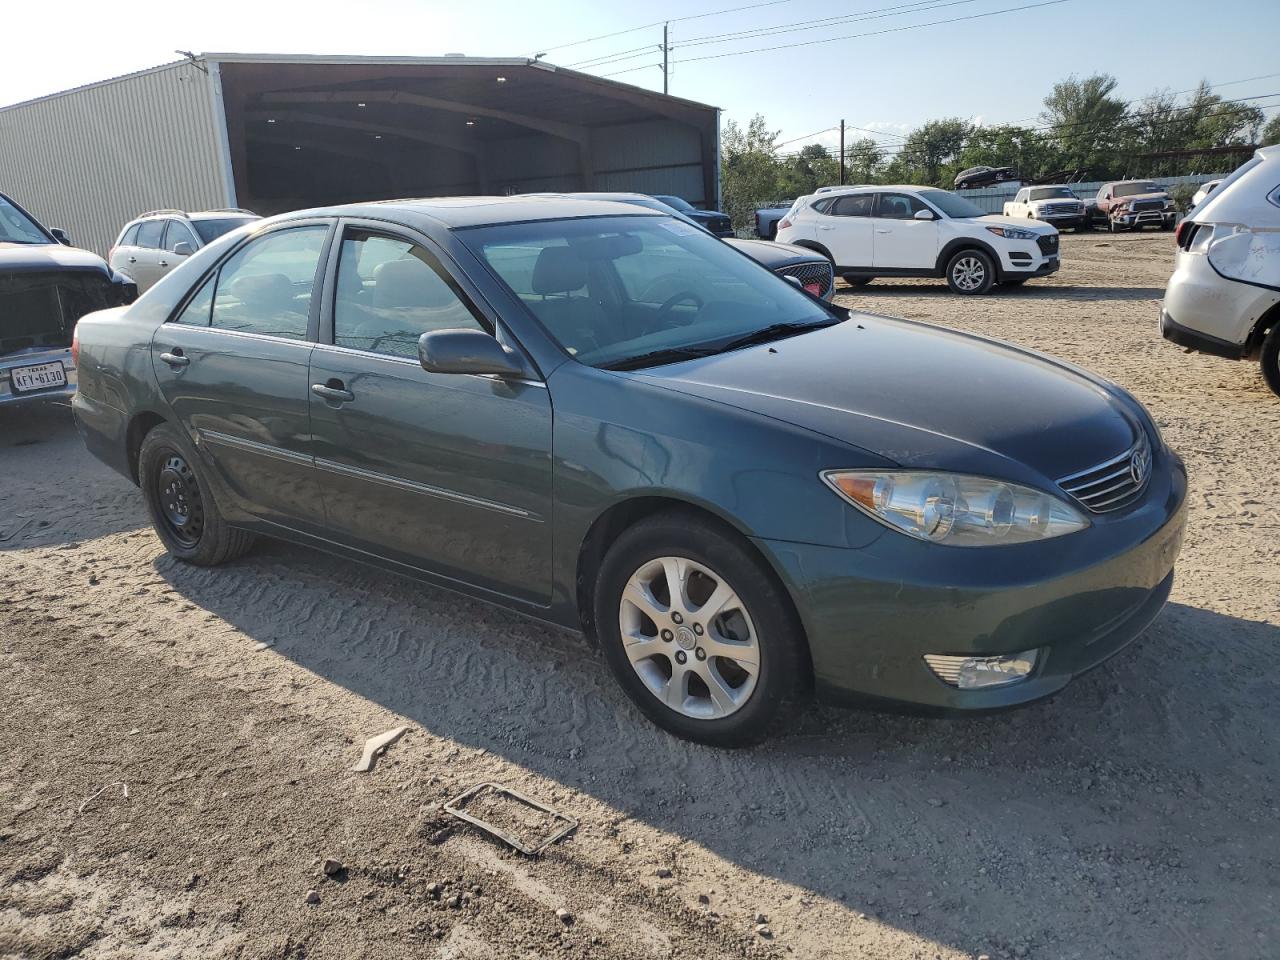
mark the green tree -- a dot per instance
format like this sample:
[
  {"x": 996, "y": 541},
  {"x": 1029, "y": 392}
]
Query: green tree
[
  {"x": 1271, "y": 132},
  {"x": 864, "y": 159},
  {"x": 1029, "y": 151},
  {"x": 931, "y": 153},
  {"x": 812, "y": 167},
  {"x": 1161, "y": 124},
  {"x": 1087, "y": 123},
  {"x": 749, "y": 169}
]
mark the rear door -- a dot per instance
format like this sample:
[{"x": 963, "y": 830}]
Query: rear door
[
  {"x": 846, "y": 230},
  {"x": 444, "y": 472},
  {"x": 232, "y": 363},
  {"x": 901, "y": 241},
  {"x": 144, "y": 259}
]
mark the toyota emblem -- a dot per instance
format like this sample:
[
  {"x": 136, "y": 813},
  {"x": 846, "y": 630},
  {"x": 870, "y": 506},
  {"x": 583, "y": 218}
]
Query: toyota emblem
[{"x": 1138, "y": 467}]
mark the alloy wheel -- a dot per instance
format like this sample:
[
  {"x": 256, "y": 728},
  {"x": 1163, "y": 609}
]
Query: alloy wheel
[
  {"x": 181, "y": 505},
  {"x": 968, "y": 273},
  {"x": 689, "y": 638}
]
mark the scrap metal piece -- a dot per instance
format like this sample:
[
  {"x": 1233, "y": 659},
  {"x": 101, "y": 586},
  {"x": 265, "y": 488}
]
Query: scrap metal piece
[
  {"x": 375, "y": 747},
  {"x": 455, "y": 807}
]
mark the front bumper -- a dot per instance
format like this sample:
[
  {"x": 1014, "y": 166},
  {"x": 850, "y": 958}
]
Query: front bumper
[
  {"x": 872, "y": 614},
  {"x": 10, "y": 397},
  {"x": 1164, "y": 218}
]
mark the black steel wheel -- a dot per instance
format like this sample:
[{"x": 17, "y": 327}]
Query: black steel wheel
[{"x": 181, "y": 503}]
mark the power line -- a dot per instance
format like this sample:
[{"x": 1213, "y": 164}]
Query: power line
[
  {"x": 852, "y": 36},
  {"x": 658, "y": 23}
]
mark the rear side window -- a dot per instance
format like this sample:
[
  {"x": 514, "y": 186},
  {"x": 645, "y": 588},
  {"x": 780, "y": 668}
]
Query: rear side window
[
  {"x": 389, "y": 293},
  {"x": 267, "y": 284},
  {"x": 130, "y": 237},
  {"x": 150, "y": 234},
  {"x": 822, "y": 206},
  {"x": 858, "y": 205},
  {"x": 196, "y": 312}
]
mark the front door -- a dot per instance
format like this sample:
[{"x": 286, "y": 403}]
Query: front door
[
  {"x": 447, "y": 473},
  {"x": 848, "y": 230},
  {"x": 232, "y": 364},
  {"x": 901, "y": 241},
  {"x": 177, "y": 232}
]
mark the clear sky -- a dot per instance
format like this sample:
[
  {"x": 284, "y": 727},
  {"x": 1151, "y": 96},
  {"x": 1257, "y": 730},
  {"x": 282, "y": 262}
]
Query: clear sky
[{"x": 993, "y": 68}]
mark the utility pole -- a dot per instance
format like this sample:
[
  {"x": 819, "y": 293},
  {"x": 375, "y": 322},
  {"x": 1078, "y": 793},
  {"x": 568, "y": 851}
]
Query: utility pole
[
  {"x": 665, "y": 47},
  {"x": 842, "y": 153}
]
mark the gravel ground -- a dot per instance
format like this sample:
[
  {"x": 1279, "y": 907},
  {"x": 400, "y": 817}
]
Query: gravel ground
[{"x": 1133, "y": 816}]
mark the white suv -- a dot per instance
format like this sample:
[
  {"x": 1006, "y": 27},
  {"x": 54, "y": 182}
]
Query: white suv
[
  {"x": 904, "y": 231},
  {"x": 1224, "y": 295},
  {"x": 151, "y": 245}
]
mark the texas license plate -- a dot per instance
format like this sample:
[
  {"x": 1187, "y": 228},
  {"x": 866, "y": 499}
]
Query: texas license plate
[{"x": 38, "y": 377}]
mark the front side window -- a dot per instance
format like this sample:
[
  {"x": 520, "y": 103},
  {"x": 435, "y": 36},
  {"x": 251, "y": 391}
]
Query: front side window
[
  {"x": 265, "y": 287},
  {"x": 212, "y": 228},
  {"x": 179, "y": 232},
  {"x": 619, "y": 291},
  {"x": 898, "y": 206},
  {"x": 958, "y": 208},
  {"x": 150, "y": 234},
  {"x": 389, "y": 293},
  {"x": 17, "y": 227},
  {"x": 856, "y": 205}
]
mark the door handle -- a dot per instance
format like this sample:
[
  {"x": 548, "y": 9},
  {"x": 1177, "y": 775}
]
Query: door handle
[
  {"x": 133, "y": 259},
  {"x": 175, "y": 359},
  {"x": 164, "y": 263},
  {"x": 332, "y": 393},
  {"x": 825, "y": 227}
]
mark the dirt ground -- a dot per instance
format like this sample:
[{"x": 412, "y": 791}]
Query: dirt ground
[{"x": 1133, "y": 816}]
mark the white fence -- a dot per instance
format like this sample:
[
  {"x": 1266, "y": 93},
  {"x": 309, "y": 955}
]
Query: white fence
[{"x": 992, "y": 199}]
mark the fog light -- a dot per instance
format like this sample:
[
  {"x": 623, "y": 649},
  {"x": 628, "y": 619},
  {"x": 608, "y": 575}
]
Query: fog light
[{"x": 978, "y": 673}]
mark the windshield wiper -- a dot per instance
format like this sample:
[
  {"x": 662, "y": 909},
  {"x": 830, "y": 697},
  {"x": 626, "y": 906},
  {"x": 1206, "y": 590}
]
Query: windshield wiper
[
  {"x": 775, "y": 331},
  {"x": 656, "y": 358}
]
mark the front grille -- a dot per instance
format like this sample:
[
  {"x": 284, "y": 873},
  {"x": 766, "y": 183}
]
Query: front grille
[
  {"x": 721, "y": 223},
  {"x": 1060, "y": 209},
  {"x": 1113, "y": 484},
  {"x": 818, "y": 272},
  {"x": 1148, "y": 205},
  {"x": 1048, "y": 244}
]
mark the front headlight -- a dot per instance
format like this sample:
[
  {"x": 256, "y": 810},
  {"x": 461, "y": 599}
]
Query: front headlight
[
  {"x": 1012, "y": 233},
  {"x": 956, "y": 509}
]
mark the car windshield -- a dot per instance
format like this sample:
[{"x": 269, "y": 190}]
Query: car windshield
[
  {"x": 17, "y": 227},
  {"x": 684, "y": 206},
  {"x": 212, "y": 229},
  {"x": 1049, "y": 193},
  {"x": 953, "y": 206},
  {"x": 639, "y": 291},
  {"x": 1135, "y": 189}
]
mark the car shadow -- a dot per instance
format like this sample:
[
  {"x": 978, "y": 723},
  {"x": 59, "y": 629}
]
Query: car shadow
[
  {"x": 51, "y": 492},
  {"x": 1123, "y": 814}
]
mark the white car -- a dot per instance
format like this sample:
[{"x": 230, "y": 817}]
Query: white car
[
  {"x": 1054, "y": 204},
  {"x": 1206, "y": 188},
  {"x": 1224, "y": 295},
  {"x": 908, "y": 231},
  {"x": 151, "y": 245}
]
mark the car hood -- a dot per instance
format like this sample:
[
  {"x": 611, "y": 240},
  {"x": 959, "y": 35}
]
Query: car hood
[
  {"x": 923, "y": 396},
  {"x": 1143, "y": 196},
  {"x": 996, "y": 220},
  {"x": 773, "y": 254},
  {"x": 33, "y": 257}
]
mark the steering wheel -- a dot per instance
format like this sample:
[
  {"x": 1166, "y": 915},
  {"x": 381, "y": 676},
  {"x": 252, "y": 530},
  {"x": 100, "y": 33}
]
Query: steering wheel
[{"x": 664, "y": 311}]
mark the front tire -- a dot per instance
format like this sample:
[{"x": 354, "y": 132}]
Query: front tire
[
  {"x": 970, "y": 272},
  {"x": 181, "y": 505},
  {"x": 698, "y": 632},
  {"x": 1270, "y": 358}
]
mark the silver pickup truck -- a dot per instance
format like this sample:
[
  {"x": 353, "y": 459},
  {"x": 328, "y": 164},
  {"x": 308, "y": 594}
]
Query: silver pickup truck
[{"x": 46, "y": 285}]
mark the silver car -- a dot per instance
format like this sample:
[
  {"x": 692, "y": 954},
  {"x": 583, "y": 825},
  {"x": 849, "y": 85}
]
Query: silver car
[{"x": 151, "y": 245}]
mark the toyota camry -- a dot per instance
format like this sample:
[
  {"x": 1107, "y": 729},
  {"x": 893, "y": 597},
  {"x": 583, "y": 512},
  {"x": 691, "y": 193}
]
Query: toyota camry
[{"x": 601, "y": 416}]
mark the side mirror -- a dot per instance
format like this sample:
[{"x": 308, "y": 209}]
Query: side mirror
[
  {"x": 61, "y": 236},
  {"x": 182, "y": 249},
  {"x": 467, "y": 351},
  {"x": 923, "y": 215}
]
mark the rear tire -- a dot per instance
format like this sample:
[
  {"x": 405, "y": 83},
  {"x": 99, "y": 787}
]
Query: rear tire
[
  {"x": 1270, "y": 359},
  {"x": 183, "y": 512},
  {"x": 970, "y": 272},
  {"x": 856, "y": 281},
  {"x": 669, "y": 647}
]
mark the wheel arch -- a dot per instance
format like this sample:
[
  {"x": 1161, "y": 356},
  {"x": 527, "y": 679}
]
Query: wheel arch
[
  {"x": 966, "y": 243},
  {"x": 627, "y": 513},
  {"x": 1269, "y": 320},
  {"x": 816, "y": 247},
  {"x": 139, "y": 426}
]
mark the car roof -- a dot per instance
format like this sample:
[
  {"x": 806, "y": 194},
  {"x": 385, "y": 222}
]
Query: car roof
[{"x": 462, "y": 212}]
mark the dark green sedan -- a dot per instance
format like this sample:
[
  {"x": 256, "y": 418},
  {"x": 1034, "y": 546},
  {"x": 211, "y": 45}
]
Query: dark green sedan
[{"x": 605, "y": 418}]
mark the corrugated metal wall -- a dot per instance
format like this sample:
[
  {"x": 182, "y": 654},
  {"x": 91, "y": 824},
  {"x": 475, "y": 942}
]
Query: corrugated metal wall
[
  {"x": 656, "y": 156},
  {"x": 90, "y": 160},
  {"x": 992, "y": 199}
]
